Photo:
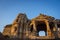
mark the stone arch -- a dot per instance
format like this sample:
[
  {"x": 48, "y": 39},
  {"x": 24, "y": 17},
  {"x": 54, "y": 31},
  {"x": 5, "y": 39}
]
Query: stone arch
[{"x": 41, "y": 26}]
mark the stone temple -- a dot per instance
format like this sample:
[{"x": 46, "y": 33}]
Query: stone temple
[{"x": 26, "y": 29}]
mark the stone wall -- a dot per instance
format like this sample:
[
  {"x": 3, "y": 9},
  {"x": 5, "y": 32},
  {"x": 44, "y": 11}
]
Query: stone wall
[
  {"x": 21, "y": 28},
  {"x": 7, "y": 30}
]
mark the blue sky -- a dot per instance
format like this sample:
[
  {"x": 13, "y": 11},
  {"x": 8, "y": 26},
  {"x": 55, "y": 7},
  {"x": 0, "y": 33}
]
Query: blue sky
[{"x": 9, "y": 9}]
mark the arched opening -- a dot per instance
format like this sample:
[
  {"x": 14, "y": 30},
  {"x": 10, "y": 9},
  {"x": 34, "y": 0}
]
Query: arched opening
[
  {"x": 41, "y": 28},
  {"x": 41, "y": 33}
]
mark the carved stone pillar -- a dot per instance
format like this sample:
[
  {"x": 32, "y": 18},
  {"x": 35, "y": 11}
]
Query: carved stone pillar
[
  {"x": 48, "y": 29},
  {"x": 34, "y": 26},
  {"x": 56, "y": 30}
]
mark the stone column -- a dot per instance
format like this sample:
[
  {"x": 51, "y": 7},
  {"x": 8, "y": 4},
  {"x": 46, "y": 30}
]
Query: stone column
[
  {"x": 56, "y": 30},
  {"x": 48, "y": 29},
  {"x": 34, "y": 26}
]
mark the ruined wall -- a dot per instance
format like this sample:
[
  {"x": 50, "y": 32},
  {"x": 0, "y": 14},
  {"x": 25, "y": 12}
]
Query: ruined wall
[
  {"x": 24, "y": 28},
  {"x": 19, "y": 26},
  {"x": 58, "y": 26},
  {"x": 36, "y": 21},
  {"x": 7, "y": 30}
]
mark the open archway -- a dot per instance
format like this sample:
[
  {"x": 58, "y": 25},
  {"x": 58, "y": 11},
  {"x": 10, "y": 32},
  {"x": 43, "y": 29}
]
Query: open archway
[
  {"x": 41, "y": 28},
  {"x": 41, "y": 33}
]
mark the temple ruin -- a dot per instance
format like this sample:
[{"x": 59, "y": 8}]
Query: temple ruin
[{"x": 24, "y": 28}]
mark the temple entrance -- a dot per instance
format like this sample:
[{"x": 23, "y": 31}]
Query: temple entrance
[{"x": 41, "y": 28}]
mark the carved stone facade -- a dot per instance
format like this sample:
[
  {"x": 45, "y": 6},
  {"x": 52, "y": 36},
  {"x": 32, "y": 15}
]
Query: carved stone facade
[{"x": 24, "y": 28}]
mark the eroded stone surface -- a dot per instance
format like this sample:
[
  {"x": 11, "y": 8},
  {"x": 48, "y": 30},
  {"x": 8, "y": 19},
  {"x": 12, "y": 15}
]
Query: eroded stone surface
[{"x": 23, "y": 28}]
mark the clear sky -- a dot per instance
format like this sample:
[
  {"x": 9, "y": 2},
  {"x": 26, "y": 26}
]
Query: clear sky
[{"x": 9, "y": 9}]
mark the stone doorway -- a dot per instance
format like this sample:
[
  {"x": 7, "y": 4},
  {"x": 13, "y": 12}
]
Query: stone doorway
[{"x": 41, "y": 28}]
